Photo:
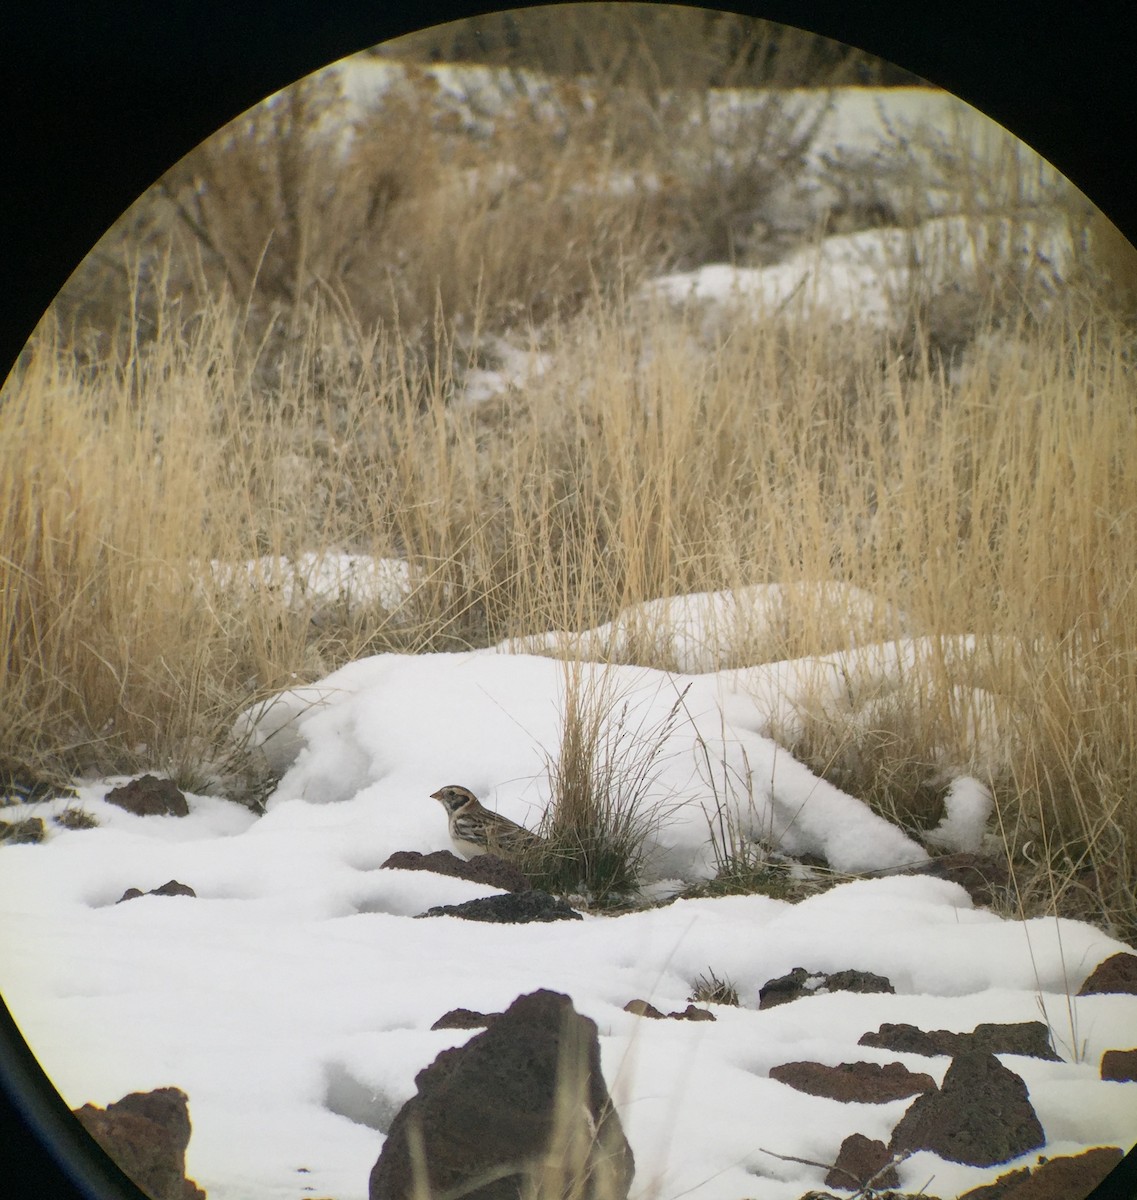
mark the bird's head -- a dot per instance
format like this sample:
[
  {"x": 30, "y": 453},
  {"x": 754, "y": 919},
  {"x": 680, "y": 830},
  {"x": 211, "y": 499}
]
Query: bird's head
[{"x": 452, "y": 797}]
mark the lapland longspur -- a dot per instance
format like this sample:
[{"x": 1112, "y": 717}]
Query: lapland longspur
[{"x": 476, "y": 830}]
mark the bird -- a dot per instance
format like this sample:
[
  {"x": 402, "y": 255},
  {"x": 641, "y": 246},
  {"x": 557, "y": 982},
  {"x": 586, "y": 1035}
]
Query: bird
[{"x": 475, "y": 830}]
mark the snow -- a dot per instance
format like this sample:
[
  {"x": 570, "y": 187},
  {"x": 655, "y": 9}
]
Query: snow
[
  {"x": 698, "y": 631},
  {"x": 495, "y": 722},
  {"x": 320, "y": 580},
  {"x": 968, "y": 807},
  {"x": 515, "y": 369},
  {"x": 868, "y": 278},
  {"x": 293, "y": 998}
]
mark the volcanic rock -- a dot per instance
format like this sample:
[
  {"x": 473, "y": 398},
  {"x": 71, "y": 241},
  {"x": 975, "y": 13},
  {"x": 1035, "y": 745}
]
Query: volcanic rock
[
  {"x": 514, "y": 908},
  {"x": 861, "y": 1082},
  {"x": 521, "y": 1105},
  {"x": 482, "y": 868},
  {"x": 1072, "y": 1177},
  {"x": 862, "y": 1161},
  {"x": 1029, "y": 1038},
  {"x": 149, "y": 796},
  {"x": 170, "y": 888},
  {"x": 641, "y": 1008},
  {"x": 800, "y": 982},
  {"x": 1118, "y": 973},
  {"x": 465, "y": 1018},
  {"x": 981, "y": 1115},
  {"x": 28, "y": 832},
  {"x": 978, "y": 874},
  {"x": 146, "y": 1133},
  {"x": 1119, "y": 1065}
]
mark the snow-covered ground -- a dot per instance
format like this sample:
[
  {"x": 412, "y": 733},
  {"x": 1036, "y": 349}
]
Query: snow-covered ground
[{"x": 292, "y": 999}]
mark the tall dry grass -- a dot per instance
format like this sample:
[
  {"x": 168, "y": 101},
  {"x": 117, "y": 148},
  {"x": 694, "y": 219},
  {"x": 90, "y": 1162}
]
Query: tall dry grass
[
  {"x": 276, "y": 368},
  {"x": 1001, "y": 505}
]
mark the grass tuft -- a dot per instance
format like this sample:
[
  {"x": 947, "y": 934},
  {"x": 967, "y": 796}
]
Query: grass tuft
[
  {"x": 602, "y": 811},
  {"x": 708, "y": 988}
]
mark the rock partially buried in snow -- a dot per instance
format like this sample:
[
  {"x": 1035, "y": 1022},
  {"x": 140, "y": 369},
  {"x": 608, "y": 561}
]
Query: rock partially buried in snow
[
  {"x": 800, "y": 982},
  {"x": 514, "y": 908},
  {"x": 862, "y": 1082},
  {"x": 482, "y": 868},
  {"x": 1029, "y": 1038},
  {"x": 521, "y": 1106},
  {"x": 981, "y": 877},
  {"x": 862, "y": 1162},
  {"x": 980, "y": 1116},
  {"x": 172, "y": 888},
  {"x": 1118, "y": 973},
  {"x": 1119, "y": 1065},
  {"x": 149, "y": 796},
  {"x": 1072, "y": 1177},
  {"x": 28, "y": 832},
  {"x": 146, "y": 1133},
  {"x": 642, "y": 1008},
  {"x": 465, "y": 1018}
]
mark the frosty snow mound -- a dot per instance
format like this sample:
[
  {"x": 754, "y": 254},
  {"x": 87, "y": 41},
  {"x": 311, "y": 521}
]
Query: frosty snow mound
[
  {"x": 293, "y": 999},
  {"x": 493, "y": 721}
]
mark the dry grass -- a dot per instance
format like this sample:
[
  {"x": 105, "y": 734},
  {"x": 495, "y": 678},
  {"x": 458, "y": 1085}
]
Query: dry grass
[
  {"x": 1002, "y": 507},
  {"x": 601, "y": 809},
  {"x": 258, "y": 378},
  {"x": 708, "y": 988}
]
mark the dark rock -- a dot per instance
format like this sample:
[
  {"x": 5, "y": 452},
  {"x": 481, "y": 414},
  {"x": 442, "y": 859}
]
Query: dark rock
[
  {"x": 515, "y": 908},
  {"x": 28, "y": 832},
  {"x": 1029, "y": 1038},
  {"x": 981, "y": 1115},
  {"x": 521, "y": 1106},
  {"x": 172, "y": 888},
  {"x": 861, "y": 1082},
  {"x": 1000, "y": 1188},
  {"x": 465, "y": 1018},
  {"x": 800, "y": 982},
  {"x": 149, "y": 796},
  {"x": 641, "y": 1008},
  {"x": 908, "y": 1039},
  {"x": 980, "y": 875},
  {"x": 691, "y": 1013},
  {"x": 482, "y": 868},
  {"x": 147, "y": 1133},
  {"x": 1071, "y": 1177},
  {"x": 1119, "y": 1065},
  {"x": 1118, "y": 973},
  {"x": 862, "y": 1162},
  {"x": 857, "y": 981}
]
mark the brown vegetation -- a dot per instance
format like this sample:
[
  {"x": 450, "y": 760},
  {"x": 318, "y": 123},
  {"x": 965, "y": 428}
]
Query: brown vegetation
[{"x": 277, "y": 369}]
